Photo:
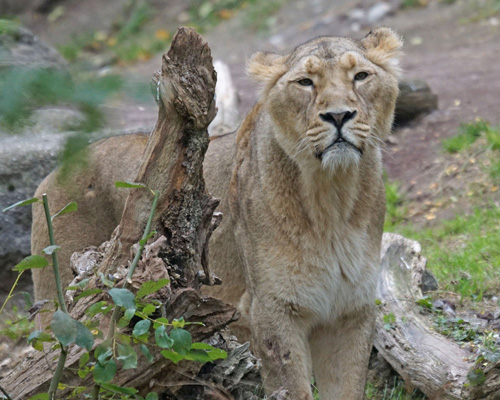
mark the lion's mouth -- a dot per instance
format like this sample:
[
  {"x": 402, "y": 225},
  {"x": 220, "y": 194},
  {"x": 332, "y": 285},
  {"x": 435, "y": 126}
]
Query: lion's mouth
[{"x": 340, "y": 141}]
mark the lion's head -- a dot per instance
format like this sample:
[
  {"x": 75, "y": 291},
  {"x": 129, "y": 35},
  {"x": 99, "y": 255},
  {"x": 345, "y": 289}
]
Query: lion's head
[{"x": 332, "y": 99}]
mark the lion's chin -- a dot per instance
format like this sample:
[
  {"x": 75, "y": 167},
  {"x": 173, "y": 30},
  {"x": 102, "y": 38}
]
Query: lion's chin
[{"x": 340, "y": 158}]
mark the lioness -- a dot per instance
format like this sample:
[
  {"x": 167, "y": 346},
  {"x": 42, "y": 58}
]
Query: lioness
[{"x": 303, "y": 204}]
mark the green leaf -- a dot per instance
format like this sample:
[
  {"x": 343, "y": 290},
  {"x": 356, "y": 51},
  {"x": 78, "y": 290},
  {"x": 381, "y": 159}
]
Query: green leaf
[
  {"x": 70, "y": 207},
  {"x": 143, "y": 241},
  {"x": 151, "y": 287},
  {"x": 103, "y": 351},
  {"x": 151, "y": 396},
  {"x": 476, "y": 377},
  {"x": 37, "y": 338},
  {"x": 179, "y": 323},
  {"x": 99, "y": 307},
  {"x": 123, "y": 298},
  {"x": 87, "y": 293},
  {"x": 160, "y": 322},
  {"x": 149, "y": 309},
  {"x": 40, "y": 396},
  {"x": 63, "y": 327},
  {"x": 40, "y": 336},
  {"x": 119, "y": 389},
  {"x": 172, "y": 356},
  {"x": 31, "y": 262},
  {"x": 82, "y": 373},
  {"x": 182, "y": 340},
  {"x": 492, "y": 357},
  {"x": 129, "y": 185},
  {"x": 22, "y": 203},
  {"x": 84, "y": 359},
  {"x": 425, "y": 302},
  {"x": 162, "y": 338},
  {"x": 84, "y": 337},
  {"x": 141, "y": 327},
  {"x": 205, "y": 355},
  {"x": 200, "y": 356},
  {"x": 127, "y": 355},
  {"x": 67, "y": 330},
  {"x": 146, "y": 353},
  {"x": 389, "y": 318},
  {"x": 49, "y": 250},
  {"x": 129, "y": 314},
  {"x": 202, "y": 346},
  {"x": 104, "y": 373},
  {"x": 105, "y": 281},
  {"x": 79, "y": 285}
]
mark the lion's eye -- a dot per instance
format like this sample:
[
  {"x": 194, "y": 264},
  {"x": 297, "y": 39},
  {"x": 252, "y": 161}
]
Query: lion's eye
[
  {"x": 360, "y": 76},
  {"x": 305, "y": 82}
]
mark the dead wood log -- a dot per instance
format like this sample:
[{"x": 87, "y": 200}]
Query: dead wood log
[
  {"x": 172, "y": 164},
  {"x": 426, "y": 360}
]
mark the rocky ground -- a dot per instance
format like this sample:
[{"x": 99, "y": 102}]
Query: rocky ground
[{"x": 452, "y": 45}]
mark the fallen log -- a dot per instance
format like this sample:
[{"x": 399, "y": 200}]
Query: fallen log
[{"x": 425, "y": 359}]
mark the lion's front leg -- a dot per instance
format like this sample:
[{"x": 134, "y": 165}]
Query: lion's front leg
[
  {"x": 280, "y": 340},
  {"x": 340, "y": 355}
]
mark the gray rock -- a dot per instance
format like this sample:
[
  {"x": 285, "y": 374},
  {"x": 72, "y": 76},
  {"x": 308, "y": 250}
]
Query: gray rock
[
  {"x": 14, "y": 7},
  {"x": 429, "y": 283},
  {"x": 19, "y": 47},
  {"x": 27, "y": 158},
  {"x": 24, "y": 162},
  {"x": 377, "y": 12},
  {"x": 415, "y": 99}
]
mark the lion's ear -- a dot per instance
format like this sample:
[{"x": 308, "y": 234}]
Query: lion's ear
[
  {"x": 266, "y": 67},
  {"x": 383, "y": 47}
]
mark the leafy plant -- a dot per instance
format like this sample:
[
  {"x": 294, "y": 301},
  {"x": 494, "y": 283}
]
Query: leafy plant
[
  {"x": 395, "y": 211},
  {"x": 468, "y": 134},
  {"x": 464, "y": 252},
  {"x": 389, "y": 321},
  {"x": 121, "y": 346}
]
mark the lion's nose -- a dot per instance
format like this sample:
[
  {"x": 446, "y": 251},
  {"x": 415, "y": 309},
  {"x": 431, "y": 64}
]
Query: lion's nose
[{"x": 338, "y": 119}]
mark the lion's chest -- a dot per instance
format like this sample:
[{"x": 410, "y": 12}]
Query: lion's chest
[{"x": 325, "y": 279}]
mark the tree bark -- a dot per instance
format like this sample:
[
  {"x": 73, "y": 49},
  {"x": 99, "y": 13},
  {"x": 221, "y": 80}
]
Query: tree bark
[
  {"x": 172, "y": 164},
  {"x": 426, "y": 360}
]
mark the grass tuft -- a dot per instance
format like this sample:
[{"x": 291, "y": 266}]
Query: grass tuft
[
  {"x": 468, "y": 134},
  {"x": 464, "y": 252},
  {"x": 395, "y": 211}
]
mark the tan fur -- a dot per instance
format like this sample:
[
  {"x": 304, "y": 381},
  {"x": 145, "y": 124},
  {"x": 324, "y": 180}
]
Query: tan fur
[{"x": 298, "y": 248}]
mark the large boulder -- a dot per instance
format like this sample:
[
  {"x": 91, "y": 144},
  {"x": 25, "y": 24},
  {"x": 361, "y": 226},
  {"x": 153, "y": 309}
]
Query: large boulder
[{"x": 26, "y": 158}]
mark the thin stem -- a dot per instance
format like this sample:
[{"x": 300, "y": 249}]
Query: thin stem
[
  {"x": 54, "y": 383},
  {"x": 5, "y": 394},
  {"x": 95, "y": 392},
  {"x": 9, "y": 296},
  {"x": 58, "y": 372},
  {"x": 144, "y": 236},
  {"x": 117, "y": 310},
  {"x": 55, "y": 264}
]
